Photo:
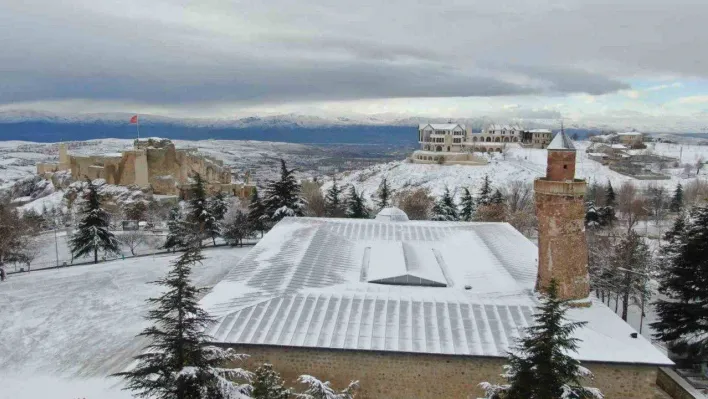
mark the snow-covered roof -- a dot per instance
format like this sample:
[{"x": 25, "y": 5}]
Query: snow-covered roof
[
  {"x": 540, "y": 131},
  {"x": 561, "y": 141},
  {"x": 441, "y": 126},
  {"x": 427, "y": 287},
  {"x": 393, "y": 214},
  {"x": 503, "y": 127},
  {"x": 629, "y": 134},
  {"x": 619, "y": 146}
]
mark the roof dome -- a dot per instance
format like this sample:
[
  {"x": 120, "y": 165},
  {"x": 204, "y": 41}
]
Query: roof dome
[{"x": 392, "y": 214}]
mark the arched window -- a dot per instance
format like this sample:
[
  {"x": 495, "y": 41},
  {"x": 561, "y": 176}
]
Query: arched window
[
  {"x": 497, "y": 140},
  {"x": 438, "y": 148}
]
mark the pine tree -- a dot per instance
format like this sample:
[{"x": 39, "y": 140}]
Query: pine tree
[
  {"x": 283, "y": 196},
  {"x": 383, "y": 195},
  {"x": 236, "y": 227},
  {"x": 217, "y": 208},
  {"x": 610, "y": 197},
  {"x": 540, "y": 365},
  {"x": 176, "y": 230},
  {"x": 333, "y": 200},
  {"x": 683, "y": 315},
  {"x": 497, "y": 197},
  {"x": 317, "y": 389},
  {"x": 93, "y": 234},
  {"x": 256, "y": 213},
  {"x": 485, "y": 192},
  {"x": 267, "y": 384},
  {"x": 445, "y": 208},
  {"x": 677, "y": 199},
  {"x": 177, "y": 364},
  {"x": 199, "y": 216},
  {"x": 468, "y": 206},
  {"x": 592, "y": 218},
  {"x": 356, "y": 206}
]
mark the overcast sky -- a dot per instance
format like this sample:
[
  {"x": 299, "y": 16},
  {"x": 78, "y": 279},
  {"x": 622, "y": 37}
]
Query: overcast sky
[{"x": 602, "y": 61}]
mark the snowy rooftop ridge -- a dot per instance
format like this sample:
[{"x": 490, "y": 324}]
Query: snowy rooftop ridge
[
  {"x": 440, "y": 126},
  {"x": 320, "y": 282},
  {"x": 561, "y": 141}
]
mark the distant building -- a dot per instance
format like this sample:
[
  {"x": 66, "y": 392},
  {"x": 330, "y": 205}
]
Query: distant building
[
  {"x": 630, "y": 138},
  {"x": 498, "y": 134},
  {"x": 153, "y": 163},
  {"x": 444, "y": 143},
  {"x": 537, "y": 138}
]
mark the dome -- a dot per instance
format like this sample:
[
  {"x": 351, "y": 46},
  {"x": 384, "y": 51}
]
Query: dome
[{"x": 392, "y": 214}]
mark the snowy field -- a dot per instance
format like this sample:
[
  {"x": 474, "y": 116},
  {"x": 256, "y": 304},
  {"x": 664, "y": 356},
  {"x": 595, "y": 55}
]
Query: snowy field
[
  {"x": 62, "y": 331},
  {"x": 519, "y": 164}
]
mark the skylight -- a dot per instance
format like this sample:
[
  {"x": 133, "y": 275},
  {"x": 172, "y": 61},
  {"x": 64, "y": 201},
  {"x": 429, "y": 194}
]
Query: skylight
[{"x": 402, "y": 263}]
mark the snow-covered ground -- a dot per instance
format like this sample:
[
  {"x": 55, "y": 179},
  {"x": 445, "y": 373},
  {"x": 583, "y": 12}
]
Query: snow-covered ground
[
  {"x": 519, "y": 164},
  {"x": 63, "y": 331}
]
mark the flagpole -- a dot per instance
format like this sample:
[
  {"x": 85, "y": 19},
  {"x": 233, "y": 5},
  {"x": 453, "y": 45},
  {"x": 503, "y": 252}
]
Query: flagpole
[{"x": 137, "y": 124}]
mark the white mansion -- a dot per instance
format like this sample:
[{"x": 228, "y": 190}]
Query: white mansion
[{"x": 459, "y": 143}]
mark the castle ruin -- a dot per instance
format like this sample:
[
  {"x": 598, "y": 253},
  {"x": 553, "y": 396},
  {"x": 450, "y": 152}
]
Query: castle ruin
[{"x": 152, "y": 163}]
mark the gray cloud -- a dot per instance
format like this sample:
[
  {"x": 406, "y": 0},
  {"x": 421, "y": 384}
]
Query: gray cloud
[{"x": 171, "y": 51}]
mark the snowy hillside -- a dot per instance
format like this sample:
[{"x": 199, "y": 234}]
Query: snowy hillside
[
  {"x": 65, "y": 330},
  {"x": 519, "y": 164}
]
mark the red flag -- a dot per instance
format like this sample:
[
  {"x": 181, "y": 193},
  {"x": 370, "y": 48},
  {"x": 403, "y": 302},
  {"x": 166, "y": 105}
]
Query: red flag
[{"x": 134, "y": 119}]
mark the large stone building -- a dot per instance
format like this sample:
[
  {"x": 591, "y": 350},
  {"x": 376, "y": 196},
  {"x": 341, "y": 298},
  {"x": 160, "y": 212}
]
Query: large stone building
[
  {"x": 152, "y": 163},
  {"x": 421, "y": 309},
  {"x": 453, "y": 143}
]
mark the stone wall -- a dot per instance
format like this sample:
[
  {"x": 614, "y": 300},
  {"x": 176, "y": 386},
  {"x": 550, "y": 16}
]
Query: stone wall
[
  {"x": 386, "y": 375},
  {"x": 562, "y": 248}
]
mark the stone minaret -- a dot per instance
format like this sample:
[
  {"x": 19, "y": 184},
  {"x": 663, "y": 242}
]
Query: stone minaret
[{"x": 562, "y": 249}]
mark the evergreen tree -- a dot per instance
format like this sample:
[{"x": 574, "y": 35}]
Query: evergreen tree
[
  {"x": 199, "y": 216},
  {"x": 176, "y": 230},
  {"x": 540, "y": 365},
  {"x": 333, "y": 200},
  {"x": 236, "y": 227},
  {"x": 468, "y": 206},
  {"x": 356, "y": 206},
  {"x": 445, "y": 208},
  {"x": 217, "y": 208},
  {"x": 592, "y": 217},
  {"x": 257, "y": 213},
  {"x": 383, "y": 195},
  {"x": 317, "y": 389},
  {"x": 683, "y": 315},
  {"x": 267, "y": 384},
  {"x": 177, "y": 364},
  {"x": 283, "y": 196},
  {"x": 497, "y": 197},
  {"x": 485, "y": 192},
  {"x": 93, "y": 234},
  {"x": 607, "y": 216},
  {"x": 677, "y": 199},
  {"x": 610, "y": 197}
]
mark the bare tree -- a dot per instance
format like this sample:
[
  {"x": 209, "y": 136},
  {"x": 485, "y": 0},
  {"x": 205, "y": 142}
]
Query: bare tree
[
  {"x": 632, "y": 208},
  {"x": 312, "y": 193},
  {"x": 695, "y": 191},
  {"x": 699, "y": 164},
  {"x": 29, "y": 252},
  {"x": 132, "y": 239},
  {"x": 416, "y": 203},
  {"x": 519, "y": 196},
  {"x": 658, "y": 201}
]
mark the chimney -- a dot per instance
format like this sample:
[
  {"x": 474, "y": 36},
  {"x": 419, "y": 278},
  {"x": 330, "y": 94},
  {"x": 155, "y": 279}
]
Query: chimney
[{"x": 560, "y": 208}]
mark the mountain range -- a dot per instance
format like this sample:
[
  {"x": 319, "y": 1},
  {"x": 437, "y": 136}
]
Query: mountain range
[{"x": 294, "y": 128}]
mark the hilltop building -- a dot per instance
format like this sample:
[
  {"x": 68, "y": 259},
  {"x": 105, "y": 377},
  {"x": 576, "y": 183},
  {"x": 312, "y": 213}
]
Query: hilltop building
[
  {"x": 423, "y": 309},
  {"x": 453, "y": 143},
  {"x": 153, "y": 163},
  {"x": 631, "y": 138}
]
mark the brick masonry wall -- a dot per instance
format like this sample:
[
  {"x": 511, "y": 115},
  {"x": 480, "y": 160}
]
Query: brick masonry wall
[
  {"x": 407, "y": 376},
  {"x": 561, "y": 165},
  {"x": 562, "y": 248}
]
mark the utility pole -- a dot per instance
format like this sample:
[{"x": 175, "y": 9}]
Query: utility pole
[{"x": 56, "y": 241}]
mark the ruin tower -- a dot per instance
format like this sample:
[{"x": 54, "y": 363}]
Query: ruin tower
[{"x": 560, "y": 208}]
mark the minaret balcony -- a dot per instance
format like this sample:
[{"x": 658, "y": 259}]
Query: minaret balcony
[{"x": 574, "y": 188}]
